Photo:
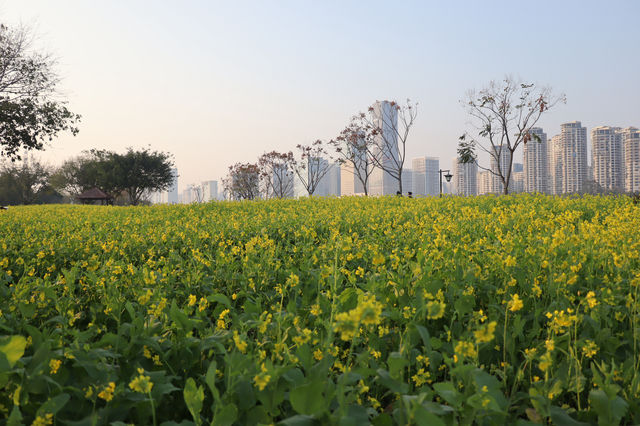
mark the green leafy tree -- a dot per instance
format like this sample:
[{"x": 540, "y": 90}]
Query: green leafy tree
[
  {"x": 133, "y": 174},
  {"x": 24, "y": 182},
  {"x": 138, "y": 173},
  {"x": 31, "y": 112}
]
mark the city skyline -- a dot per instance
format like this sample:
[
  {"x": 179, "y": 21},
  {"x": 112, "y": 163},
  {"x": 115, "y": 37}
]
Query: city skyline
[
  {"x": 224, "y": 77},
  {"x": 557, "y": 168}
]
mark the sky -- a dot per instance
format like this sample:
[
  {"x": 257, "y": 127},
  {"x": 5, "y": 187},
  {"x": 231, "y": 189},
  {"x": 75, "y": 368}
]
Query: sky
[{"x": 220, "y": 82}]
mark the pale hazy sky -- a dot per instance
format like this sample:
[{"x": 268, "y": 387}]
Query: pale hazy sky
[{"x": 218, "y": 82}]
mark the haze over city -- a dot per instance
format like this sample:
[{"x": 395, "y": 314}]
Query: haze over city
[{"x": 217, "y": 83}]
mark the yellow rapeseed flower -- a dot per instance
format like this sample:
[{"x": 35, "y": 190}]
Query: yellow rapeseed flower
[
  {"x": 141, "y": 383},
  {"x": 54, "y": 365},
  {"x": 192, "y": 300},
  {"x": 485, "y": 333},
  {"x": 515, "y": 304},
  {"x": 107, "y": 392}
]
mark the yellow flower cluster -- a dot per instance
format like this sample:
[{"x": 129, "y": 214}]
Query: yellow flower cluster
[
  {"x": 366, "y": 313},
  {"x": 141, "y": 383},
  {"x": 106, "y": 393}
]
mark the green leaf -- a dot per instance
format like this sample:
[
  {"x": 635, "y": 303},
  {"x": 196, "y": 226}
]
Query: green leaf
[
  {"x": 15, "y": 419},
  {"x": 193, "y": 397},
  {"x": 13, "y": 349},
  {"x": 448, "y": 392},
  {"x": 53, "y": 405},
  {"x": 561, "y": 418},
  {"x": 426, "y": 338},
  {"x": 210, "y": 379},
  {"x": 424, "y": 418},
  {"x": 464, "y": 305},
  {"x": 180, "y": 317},
  {"x": 396, "y": 362},
  {"x": 227, "y": 416},
  {"x": 393, "y": 385},
  {"x": 610, "y": 411},
  {"x": 356, "y": 415},
  {"x": 220, "y": 298},
  {"x": 298, "y": 420},
  {"x": 307, "y": 399}
]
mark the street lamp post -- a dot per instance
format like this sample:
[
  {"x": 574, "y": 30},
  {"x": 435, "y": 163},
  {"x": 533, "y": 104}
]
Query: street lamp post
[{"x": 447, "y": 176}]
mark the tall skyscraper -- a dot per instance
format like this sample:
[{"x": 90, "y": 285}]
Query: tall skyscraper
[
  {"x": 465, "y": 177},
  {"x": 504, "y": 155},
  {"x": 484, "y": 182},
  {"x": 631, "y": 143},
  {"x": 535, "y": 162},
  {"x": 607, "y": 159},
  {"x": 425, "y": 176},
  {"x": 573, "y": 156},
  {"x": 516, "y": 184},
  {"x": 209, "y": 190},
  {"x": 555, "y": 165},
  {"x": 329, "y": 183},
  {"x": 351, "y": 179},
  {"x": 172, "y": 193},
  {"x": 385, "y": 117}
]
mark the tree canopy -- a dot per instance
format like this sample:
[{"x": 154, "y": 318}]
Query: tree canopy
[
  {"x": 31, "y": 112},
  {"x": 134, "y": 174}
]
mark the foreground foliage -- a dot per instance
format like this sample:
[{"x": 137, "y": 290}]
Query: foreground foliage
[{"x": 425, "y": 311}]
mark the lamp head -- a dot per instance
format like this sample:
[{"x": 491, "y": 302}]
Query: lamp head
[{"x": 448, "y": 177}]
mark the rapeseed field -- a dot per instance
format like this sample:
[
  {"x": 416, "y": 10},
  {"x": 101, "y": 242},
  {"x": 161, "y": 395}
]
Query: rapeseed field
[{"x": 489, "y": 310}]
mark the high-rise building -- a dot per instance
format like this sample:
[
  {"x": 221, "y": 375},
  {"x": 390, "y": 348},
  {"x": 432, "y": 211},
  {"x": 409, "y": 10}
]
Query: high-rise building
[
  {"x": 573, "y": 156},
  {"x": 407, "y": 180},
  {"x": 502, "y": 153},
  {"x": 465, "y": 177},
  {"x": 329, "y": 184},
  {"x": 351, "y": 179},
  {"x": 485, "y": 179},
  {"x": 631, "y": 143},
  {"x": 607, "y": 159},
  {"x": 172, "y": 193},
  {"x": 555, "y": 165},
  {"x": 516, "y": 183},
  {"x": 209, "y": 190},
  {"x": 425, "y": 176},
  {"x": 385, "y": 117},
  {"x": 536, "y": 163}
]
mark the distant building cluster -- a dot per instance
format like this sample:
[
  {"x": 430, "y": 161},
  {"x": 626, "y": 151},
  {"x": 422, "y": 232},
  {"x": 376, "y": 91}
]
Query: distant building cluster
[{"x": 556, "y": 165}]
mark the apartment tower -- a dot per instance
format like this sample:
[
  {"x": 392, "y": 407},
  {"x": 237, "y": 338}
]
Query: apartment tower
[
  {"x": 573, "y": 156},
  {"x": 425, "y": 176},
  {"x": 631, "y": 143},
  {"x": 607, "y": 158},
  {"x": 385, "y": 117},
  {"x": 465, "y": 177},
  {"x": 536, "y": 164}
]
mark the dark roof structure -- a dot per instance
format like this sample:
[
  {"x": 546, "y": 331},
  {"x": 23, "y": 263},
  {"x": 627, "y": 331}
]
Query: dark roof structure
[{"x": 93, "y": 195}]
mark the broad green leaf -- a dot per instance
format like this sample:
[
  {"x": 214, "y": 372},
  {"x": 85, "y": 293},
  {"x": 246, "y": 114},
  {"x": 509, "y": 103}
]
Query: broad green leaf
[
  {"x": 449, "y": 393},
  {"x": 561, "y": 418},
  {"x": 226, "y": 416},
  {"x": 13, "y": 349},
  {"x": 53, "y": 405},
  {"x": 193, "y": 397},
  {"x": 307, "y": 399}
]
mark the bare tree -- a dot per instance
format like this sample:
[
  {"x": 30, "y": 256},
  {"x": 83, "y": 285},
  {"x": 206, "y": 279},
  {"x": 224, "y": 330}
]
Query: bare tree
[
  {"x": 197, "y": 191},
  {"x": 389, "y": 124},
  {"x": 311, "y": 166},
  {"x": 351, "y": 148},
  {"x": 276, "y": 174},
  {"x": 503, "y": 115},
  {"x": 242, "y": 182}
]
